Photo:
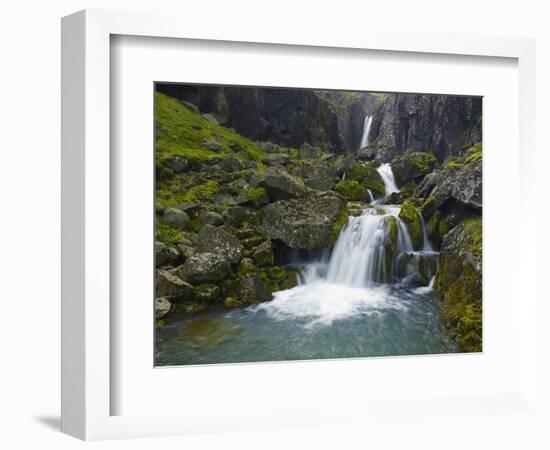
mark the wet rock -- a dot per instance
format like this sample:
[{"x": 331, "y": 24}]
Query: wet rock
[
  {"x": 352, "y": 190},
  {"x": 175, "y": 218},
  {"x": 206, "y": 268},
  {"x": 310, "y": 224},
  {"x": 162, "y": 307},
  {"x": 411, "y": 216},
  {"x": 231, "y": 302},
  {"x": 368, "y": 177},
  {"x": 249, "y": 288},
  {"x": 220, "y": 242}
]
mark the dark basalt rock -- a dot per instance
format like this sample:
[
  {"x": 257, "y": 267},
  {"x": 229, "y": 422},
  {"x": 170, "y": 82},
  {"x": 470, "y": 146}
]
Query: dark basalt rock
[
  {"x": 439, "y": 123},
  {"x": 412, "y": 166},
  {"x": 446, "y": 188}
]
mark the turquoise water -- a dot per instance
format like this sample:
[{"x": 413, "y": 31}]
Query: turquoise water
[{"x": 315, "y": 321}]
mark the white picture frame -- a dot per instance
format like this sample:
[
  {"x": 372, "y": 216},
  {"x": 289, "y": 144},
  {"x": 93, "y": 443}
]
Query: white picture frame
[{"x": 86, "y": 247}]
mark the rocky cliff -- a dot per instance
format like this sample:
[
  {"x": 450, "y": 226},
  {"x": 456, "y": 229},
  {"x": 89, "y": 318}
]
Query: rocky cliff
[
  {"x": 331, "y": 120},
  {"x": 441, "y": 124}
]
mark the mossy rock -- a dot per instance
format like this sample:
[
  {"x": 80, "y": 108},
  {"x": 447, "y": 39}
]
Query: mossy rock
[
  {"x": 368, "y": 177},
  {"x": 458, "y": 284},
  {"x": 353, "y": 191},
  {"x": 411, "y": 216},
  {"x": 390, "y": 246},
  {"x": 232, "y": 302},
  {"x": 413, "y": 166},
  {"x": 437, "y": 229},
  {"x": 207, "y": 293}
]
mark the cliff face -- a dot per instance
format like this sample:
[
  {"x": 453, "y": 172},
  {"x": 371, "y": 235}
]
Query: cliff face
[
  {"x": 444, "y": 125},
  {"x": 330, "y": 120}
]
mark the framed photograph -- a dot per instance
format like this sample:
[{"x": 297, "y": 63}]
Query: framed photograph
[{"x": 325, "y": 214}]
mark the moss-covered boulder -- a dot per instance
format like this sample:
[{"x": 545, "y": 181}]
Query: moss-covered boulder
[
  {"x": 411, "y": 216},
  {"x": 353, "y": 191},
  {"x": 368, "y": 177},
  {"x": 390, "y": 248},
  {"x": 412, "y": 166},
  {"x": 458, "y": 284},
  {"x": 280, "y": 185},
  {"x": 437, "y": 228},
  {"x": 309, "y": 223},
  {"x": 249, "y": 288},
  {"x": 207, "y": 293},
  {"x": 206, "y": 268}
]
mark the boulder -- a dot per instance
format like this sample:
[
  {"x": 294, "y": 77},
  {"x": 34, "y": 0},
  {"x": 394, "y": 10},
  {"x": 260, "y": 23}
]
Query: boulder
[
  {"x": 162, "y": 307},
  {"x": 220, "y": 242},
  {"x": 165, "y": 255},
  {"x": 280, "y": 185},
  {"x": 207, "y": 293},
  {"x": 318, "y": 177},
  {"x": 268, "y": 147},
  {"x": 263, "y": 254},
  {"x": 368, "y": 177},
  {"x": 453, "y": 185},
  {"x": 215, "y": 146},
  {"x": 411, "y": 216},
  {"x": 232, "y": 302},
  {"x": 412, "y": 166},
  {"x": 212, "y": 218},
  {"x": 231, "y": 164},
  {"x": 458, "y": 284},
  {"x": 249, "y": 288},
  {"x": 310, "y": 224},
  {"x": 177, "y": 164},
  {"x": 206, "y": 268},
  {"x": 353, "y": 191},
  {"x": 175, "y": 218},
  {"x": 168, "y": 284},
  {"x": 235, "y": 215},
  {"x": 189, "y": 207}
]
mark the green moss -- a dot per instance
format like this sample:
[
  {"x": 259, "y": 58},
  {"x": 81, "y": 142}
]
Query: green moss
[
  {"x": 352, "y": 190},
  {"x": 180, "y": 131},
  {"x": 391, "y": 245},
  {"x": 255, "y": 195},
  {"x": 408, "y": 188},
  {"x": 411, "y": 216},
  {"x": 437, "y": 228},
  {"x": 165, "y": 233},
  {"x": 245, "y": 267},
  {"x": 338, "y": 224},
  {"x": 458, "y": 286},
  {"x": 232, "y": 302},
  {"x": 203, "y": 192},
  {"x": 368, "y": 177}
]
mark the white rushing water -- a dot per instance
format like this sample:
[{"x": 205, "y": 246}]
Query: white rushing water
[
  {"x": 387, "y": 177},
  {"x": 354, "y": 279},
  {"x": 366, "y": 130}
]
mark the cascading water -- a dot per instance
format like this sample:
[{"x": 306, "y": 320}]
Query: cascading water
[
  {"x": 387, "y": 177},
  {"x": 366, "y": 130},
  {"x": 374, "y": 290}
]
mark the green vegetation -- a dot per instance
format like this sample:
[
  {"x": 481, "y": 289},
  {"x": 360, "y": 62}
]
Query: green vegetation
[
  {"x": 203, "y": 192},
  {"x": 339, "y": 224},
  {"x": 367, "y": 176},
  {"x": 165, "y": 233},
  {"x": 411, "y": 216},
  {"x": 255, "y": 195},
  {"x": 458, "y": 284},
  {"x": 352, "y": 190}
]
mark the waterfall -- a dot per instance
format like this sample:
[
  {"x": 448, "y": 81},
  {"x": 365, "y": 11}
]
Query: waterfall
[
  {"x": 366, "y": 130},
  {"x": 387, "y": 177}
]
